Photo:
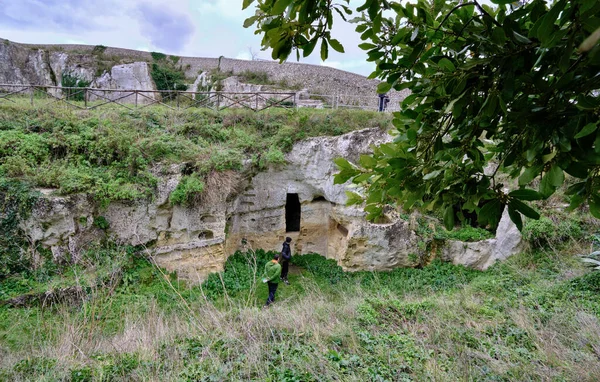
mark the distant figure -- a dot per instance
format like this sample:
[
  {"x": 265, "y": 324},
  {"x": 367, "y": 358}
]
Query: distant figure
[
  {"x": 271, "y": 277},
  {"x": 383, "y": 102},
  {"x": 286, "y": 255}
]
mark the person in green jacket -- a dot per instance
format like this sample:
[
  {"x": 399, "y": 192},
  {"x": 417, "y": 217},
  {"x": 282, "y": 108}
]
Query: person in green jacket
[{"x": 271, "y": 277}]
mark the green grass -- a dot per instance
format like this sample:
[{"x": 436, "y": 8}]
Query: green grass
[{"x": 533, "y": 317}]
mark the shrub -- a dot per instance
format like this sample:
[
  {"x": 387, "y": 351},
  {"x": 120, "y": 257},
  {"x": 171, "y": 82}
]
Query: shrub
[
  {"x": 168, "y": 78},
  {"x": 188, "y": 189},
  {"x": 545, "y": 232},
  {"x": 98, "y": 50},
  {"x": 272, "y": 157},
  {"x": 71, "y": 81},
  {"x": 157, "y": 56},
  {"x": 238, "y": 275}
]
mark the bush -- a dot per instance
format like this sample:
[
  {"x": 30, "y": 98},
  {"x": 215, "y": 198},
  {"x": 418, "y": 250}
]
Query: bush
[
  {"x": 544, "y": 233},
  {"x": 273, "y": 157},
  {"x": 70, "y": 81},
  {"x": 187, "y": 191},
  {"x": 238, "y": 275}
]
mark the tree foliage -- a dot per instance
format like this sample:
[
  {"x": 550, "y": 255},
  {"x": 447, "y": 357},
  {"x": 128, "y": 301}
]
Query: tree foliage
[{"x": 509, "y": 89}]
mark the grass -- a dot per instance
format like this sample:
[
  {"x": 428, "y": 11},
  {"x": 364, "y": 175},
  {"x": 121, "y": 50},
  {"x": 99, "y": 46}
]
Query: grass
[
  {"x": 112, "y": 154},
  {"x": 534, "y": 317}
]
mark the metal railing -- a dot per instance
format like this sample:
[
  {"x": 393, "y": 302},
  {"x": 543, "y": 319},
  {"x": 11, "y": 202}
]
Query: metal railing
[{"x": 93, "y": 98}]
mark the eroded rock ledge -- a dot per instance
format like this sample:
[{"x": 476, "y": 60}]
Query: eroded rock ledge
[{"x": 297, "y": 200}]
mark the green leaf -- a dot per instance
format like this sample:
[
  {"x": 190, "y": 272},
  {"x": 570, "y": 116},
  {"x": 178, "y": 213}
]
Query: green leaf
[
  {"x": 343, "y": 176},
  {"x": 529, "y": 174},
  {"x": 308, "y": 48},
  {"x": 521, "y": 39},
  {"x": 447, "y": 64},
  {"x": 502, "y": 2},
  {"x": 335, "y": 44},
  {"x": 577, "y": 169},
  {"x": 490, "y": 213},
  {"x": 343, "y": 163},
  {"x": 595, "y": 206},
  {"x": 367, "y": 46},
  {"x": 525, "y": 194},
  {"x": 449, "y": 218},
  {"x": 246, "y": 3},
  {"x": 324, "y": 50},
  {"x": 353, "y": 198},
  {"x": 249, "y": 21},
  {"x": 361, "y": 178},
  {"x": 367, "y": 161},
  {"x": 587, "y": 130},
  {"x": 280, "y": 6},
  {"x": 388, "y": 150},
  {"x": 515, "y": 217},
  {"x": 556, "y": 176},
  {"x": 524, "y": 209},
  {"x": 383, "y": 88}
]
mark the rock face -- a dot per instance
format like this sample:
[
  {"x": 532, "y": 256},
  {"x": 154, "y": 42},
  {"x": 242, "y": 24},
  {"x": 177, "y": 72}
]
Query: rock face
[
  {"x": 482, "y": 254},
  {"x": 297, "y": 200},
  {"x": 32, "y": 66},
  {"x": 135, "y": 76}
]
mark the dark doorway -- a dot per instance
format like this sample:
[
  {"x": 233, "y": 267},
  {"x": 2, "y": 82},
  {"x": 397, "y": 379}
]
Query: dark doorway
[{"x": 292, "y": 213}]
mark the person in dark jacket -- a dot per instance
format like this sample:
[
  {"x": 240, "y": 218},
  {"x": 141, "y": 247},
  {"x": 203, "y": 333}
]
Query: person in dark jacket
[
  {"x": 271, "y": 277},
  {"x": 286, "y": 255}
]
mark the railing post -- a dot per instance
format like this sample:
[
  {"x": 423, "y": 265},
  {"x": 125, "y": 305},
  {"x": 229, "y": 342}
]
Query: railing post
[
  {"x": 177, "y": 95},
  {"x": 136, "y": 98},
  {"x": 31, "y": 96},
  {"x": 218, "y": 100},
  {"x": 256, "y": 108},
  {"x": 85, "y": 97}
]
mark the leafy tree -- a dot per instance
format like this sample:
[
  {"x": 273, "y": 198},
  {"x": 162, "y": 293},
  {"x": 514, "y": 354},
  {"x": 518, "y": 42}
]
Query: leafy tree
[{"x": 507, "y": 89}]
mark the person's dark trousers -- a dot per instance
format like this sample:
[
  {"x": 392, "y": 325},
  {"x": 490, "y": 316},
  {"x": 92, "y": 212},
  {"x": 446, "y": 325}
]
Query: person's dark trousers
[
  {"x": 272, "y": 290},
  {"x": 284, "y": 269}
]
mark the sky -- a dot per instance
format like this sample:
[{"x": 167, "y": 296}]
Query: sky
[{"x": 197, "y": 28}]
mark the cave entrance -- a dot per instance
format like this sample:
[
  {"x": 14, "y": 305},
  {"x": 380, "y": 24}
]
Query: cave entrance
[{"x": 292, "y": 213}]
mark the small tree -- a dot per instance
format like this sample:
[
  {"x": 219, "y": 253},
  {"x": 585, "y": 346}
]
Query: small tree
[{"x": 511, "y": 88}]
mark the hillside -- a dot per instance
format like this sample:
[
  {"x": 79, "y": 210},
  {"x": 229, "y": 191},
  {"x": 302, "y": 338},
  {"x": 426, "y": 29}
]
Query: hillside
[{"x": 72, "y": 65}]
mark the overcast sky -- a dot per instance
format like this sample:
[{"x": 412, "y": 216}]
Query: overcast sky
[{"x": 203, "y": 28}]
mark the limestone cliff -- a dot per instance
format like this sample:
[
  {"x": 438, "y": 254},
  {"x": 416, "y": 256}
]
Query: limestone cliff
[{"x": 298, "y": 199}]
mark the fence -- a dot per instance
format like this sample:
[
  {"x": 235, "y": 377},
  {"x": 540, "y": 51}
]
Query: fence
[{"x": 93, "y": 98}]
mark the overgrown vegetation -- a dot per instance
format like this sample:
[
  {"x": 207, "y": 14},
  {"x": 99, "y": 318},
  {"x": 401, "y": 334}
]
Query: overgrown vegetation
[
  {"x": 167, "y": 75},
  {"x": 525, "y": 319},
  {"x": 16, "y": 201},
  {"x": 71, "y": 81},
  {"x": 111, "y": 154}
]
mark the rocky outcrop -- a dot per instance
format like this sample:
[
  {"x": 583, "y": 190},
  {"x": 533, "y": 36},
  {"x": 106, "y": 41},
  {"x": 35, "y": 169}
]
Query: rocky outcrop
[
  {"x": 482, "y": 254},
  {"x": 135, "y": 76},
  {"x": 298, "y": 200}
]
